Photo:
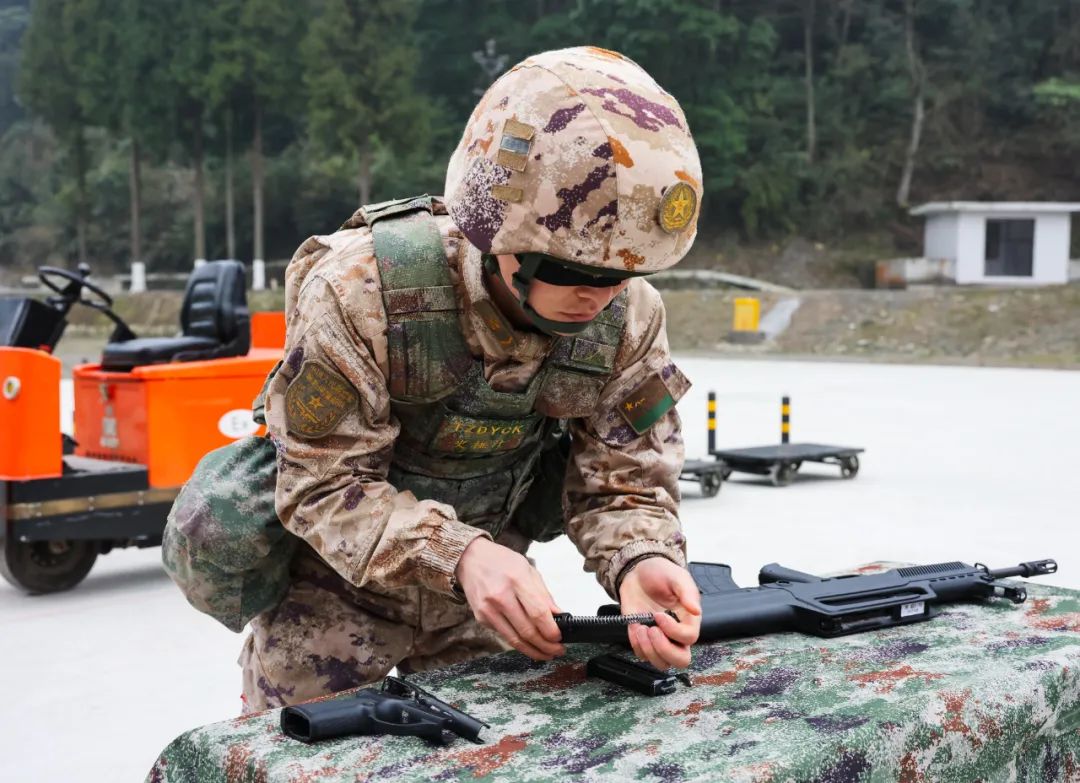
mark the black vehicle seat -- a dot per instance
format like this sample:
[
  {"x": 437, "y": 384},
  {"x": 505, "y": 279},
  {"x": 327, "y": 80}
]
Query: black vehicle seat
[
  {"x": 214, "y": 319},
  {"x": 28, "y": 323}
]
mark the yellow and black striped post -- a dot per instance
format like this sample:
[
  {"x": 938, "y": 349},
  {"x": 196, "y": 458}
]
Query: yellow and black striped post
[
  {"x": 712, "y": 422},
  {"x": 785, "y": 419}
]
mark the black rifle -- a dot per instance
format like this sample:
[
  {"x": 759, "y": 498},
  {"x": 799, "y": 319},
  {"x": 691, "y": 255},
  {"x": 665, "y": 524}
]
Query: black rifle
[
  {"x": 788, "y": 600},
  {"x": 398, "y": 708}
]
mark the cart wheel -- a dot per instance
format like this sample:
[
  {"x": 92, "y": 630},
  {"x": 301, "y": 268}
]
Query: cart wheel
[
  {"x": 849, "y": 467},
  {"x": 783, "y": 473},
  {"x": 710, "y": 484},
  {"x": 47, "y": 566}
]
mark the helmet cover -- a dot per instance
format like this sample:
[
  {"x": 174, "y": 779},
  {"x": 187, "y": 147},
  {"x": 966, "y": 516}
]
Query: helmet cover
[{"x": 579, "y": 155}]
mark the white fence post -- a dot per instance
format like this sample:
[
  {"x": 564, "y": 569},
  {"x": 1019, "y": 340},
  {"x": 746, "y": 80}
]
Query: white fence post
[
  {"x": 138, "y": 277},
  {"x": 258, "y": 275}
]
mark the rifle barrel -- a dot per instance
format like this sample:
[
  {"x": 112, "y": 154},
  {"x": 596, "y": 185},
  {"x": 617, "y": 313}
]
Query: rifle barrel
[{"x": 1031, "y": 568}]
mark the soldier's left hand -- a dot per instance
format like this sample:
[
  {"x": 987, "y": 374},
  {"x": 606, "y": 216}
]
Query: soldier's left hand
[{"x": 655, "y": 585}]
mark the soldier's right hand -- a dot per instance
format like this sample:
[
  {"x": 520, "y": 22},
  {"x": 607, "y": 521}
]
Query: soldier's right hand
[{"x": 509, "y": 596}]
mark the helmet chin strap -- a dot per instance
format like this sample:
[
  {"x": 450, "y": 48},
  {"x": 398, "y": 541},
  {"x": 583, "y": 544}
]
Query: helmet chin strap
[{"x": 523, "y": 278}]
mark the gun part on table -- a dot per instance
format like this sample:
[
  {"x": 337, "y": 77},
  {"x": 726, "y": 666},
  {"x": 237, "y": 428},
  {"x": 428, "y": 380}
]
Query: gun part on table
[
  {"x": 400, "y": 708},
  {"x": 788, "y": 600}
]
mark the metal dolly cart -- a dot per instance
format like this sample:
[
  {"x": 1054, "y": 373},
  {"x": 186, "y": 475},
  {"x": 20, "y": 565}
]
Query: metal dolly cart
[
  {"x": 782, "y": 461},
  {"x": 707, "y": 472}
]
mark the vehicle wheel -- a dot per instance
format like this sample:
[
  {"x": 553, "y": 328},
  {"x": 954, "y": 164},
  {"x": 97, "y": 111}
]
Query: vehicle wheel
[
  {"x": 47, "y": 566},
  {"x": 849, "y": 467},
  {"x": 710, "y": 484},
  {"x": 783, "y": 473}
]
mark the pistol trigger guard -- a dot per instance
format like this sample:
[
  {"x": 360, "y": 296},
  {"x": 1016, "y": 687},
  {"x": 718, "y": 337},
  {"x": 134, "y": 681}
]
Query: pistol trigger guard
[{"x": 429, "y": 728}]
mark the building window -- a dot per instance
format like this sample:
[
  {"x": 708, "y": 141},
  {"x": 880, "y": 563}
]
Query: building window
[{"x": 1009, "y": 248}]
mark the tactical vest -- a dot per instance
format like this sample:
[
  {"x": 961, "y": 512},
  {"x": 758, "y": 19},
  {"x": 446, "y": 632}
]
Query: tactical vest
[{"x": 463, "y": 443}]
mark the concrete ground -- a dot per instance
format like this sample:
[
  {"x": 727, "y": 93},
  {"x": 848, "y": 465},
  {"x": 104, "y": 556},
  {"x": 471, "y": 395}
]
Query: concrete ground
[{"x": 961, "y": 464}]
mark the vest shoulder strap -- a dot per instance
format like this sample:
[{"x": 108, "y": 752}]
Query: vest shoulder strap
[{"x": 427, "y": 352}]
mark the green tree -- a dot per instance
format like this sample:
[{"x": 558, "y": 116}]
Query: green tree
[
  {"x": 360, "y": 79},
  {"x": 225, "y": 86},
  {"x": 14, "y": 19},
  {"x": 54, "y": 86},
  {"x": 129, "y": 89},
  {"x": 194, "y": 24},
  {"x": 254, "y": 73},
  {"x": 1062, "y": 99},
  {"x": 803, "y": 110}
]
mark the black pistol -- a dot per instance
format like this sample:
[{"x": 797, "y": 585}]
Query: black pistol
[{"x": 398, "y": 708}]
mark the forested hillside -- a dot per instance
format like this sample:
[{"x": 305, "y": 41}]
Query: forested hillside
[{"x": 163, "y": 130}]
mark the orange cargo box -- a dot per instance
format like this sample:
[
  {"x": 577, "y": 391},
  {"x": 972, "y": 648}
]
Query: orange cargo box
[
  {"x": 268, "y": 329},
  {"x": 29, "y": 414},
  {"x": 167, "y": 416}
]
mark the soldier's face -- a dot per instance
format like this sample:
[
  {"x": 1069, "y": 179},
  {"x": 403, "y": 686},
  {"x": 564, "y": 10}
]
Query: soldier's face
[{"x": 574, "y": 303}]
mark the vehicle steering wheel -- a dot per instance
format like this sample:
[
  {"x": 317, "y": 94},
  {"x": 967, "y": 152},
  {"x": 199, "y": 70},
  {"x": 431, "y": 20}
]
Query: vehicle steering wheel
[{"x": 47, "y": 273}]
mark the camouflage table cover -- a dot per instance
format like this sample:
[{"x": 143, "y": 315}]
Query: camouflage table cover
[{"x": 986, "y": 692}]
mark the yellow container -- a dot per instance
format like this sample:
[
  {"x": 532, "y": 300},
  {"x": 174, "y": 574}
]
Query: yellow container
[{"x": 747, "y": 314}]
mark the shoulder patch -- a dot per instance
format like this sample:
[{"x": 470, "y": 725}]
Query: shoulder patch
[
  {"x": 650, "y": 400},
  {"x": 644, "y": 406},
  {"x": 316, "y": 400}
]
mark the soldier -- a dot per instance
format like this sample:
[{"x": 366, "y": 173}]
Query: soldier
[{"x": 464, "y": 377}]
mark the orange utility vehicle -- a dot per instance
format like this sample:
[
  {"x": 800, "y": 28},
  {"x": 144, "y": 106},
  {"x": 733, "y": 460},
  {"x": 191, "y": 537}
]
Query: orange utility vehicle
[{"x": 143, "y": 417}]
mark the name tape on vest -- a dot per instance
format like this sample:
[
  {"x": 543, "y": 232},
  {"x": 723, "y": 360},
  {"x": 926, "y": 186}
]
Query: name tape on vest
[{"x": 465, "y": 435}]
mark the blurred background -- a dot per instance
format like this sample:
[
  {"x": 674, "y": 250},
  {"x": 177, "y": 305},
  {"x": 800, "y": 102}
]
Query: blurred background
[{"x": 171, "y": 131}]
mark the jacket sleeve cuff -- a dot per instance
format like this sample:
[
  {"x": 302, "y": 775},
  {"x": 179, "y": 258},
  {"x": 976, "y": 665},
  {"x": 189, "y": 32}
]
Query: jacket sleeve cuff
[
  {"x": 611, "y": 577},
  {"x": 440, "y": 557}
]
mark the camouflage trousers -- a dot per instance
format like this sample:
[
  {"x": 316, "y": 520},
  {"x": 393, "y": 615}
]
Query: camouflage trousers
[{"x": 327, "y": 635}]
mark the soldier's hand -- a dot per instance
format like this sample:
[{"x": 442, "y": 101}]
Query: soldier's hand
[
  {"x": 508, "y": 595},
  {"x": 655, "y": 585}
]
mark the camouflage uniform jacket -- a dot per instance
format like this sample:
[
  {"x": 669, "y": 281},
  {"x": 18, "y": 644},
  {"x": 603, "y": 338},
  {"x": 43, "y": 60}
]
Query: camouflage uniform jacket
[{"x": 332, "y": 491}]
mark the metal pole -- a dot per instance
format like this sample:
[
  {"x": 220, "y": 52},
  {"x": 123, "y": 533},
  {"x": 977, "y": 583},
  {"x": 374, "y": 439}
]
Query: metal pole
[
  {"x": 785, "y": 420},
  {"x": 712, "y": 422}
]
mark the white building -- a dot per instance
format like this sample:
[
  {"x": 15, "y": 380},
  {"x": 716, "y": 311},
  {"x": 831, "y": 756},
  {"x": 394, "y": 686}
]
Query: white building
[{"x": 1003, "y": 243}]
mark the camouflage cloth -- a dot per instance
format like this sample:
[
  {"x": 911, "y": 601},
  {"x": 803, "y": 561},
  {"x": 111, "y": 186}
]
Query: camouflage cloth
[
  {"x": 985, "y": 692},
  {"x": 223, "y": 544}
]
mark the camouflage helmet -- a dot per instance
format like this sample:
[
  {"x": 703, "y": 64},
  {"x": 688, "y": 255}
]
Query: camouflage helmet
[
  {"x": 577, "y": 155},
  {"x": 580, "y": 155}
]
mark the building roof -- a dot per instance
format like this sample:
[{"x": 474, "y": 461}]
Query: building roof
[{"x": 1044, "y": 207}]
